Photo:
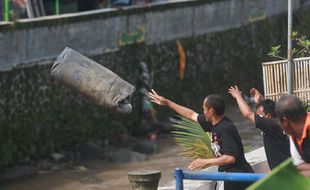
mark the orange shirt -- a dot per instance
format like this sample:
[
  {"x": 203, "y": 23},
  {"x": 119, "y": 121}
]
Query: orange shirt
[{"x": 305, "y": 132}]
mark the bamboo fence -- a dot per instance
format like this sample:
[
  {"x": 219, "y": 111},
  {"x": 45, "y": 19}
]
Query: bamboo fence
[{"x": 275, "y": 78}]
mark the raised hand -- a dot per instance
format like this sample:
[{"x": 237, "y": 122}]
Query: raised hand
[
  {"x": 160, "y": 100},
  {"x": 256, "y": 95},
  {"x": 234, "y": 91}
]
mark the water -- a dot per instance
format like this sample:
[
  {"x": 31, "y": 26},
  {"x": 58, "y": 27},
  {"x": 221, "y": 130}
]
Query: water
[{"x": 101, "y": 175}]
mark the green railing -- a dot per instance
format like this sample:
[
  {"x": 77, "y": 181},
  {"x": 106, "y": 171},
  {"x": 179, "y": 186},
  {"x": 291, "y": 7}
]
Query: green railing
[
  {"x": 57, "y": 10},
  {"x": 6, "y": 10}
]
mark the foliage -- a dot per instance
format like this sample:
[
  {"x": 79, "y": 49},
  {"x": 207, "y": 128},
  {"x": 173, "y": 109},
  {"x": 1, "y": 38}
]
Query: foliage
[
  {"x": 247, "y": 148},
  {"x": 302, "y": 47},
  {"x": 189, "y": 135},
  {"x": 274, "y": 52},
  {"x": 307, "y": 106}
]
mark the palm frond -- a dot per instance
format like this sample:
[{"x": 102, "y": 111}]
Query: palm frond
[{"x": 195, "y": 141}]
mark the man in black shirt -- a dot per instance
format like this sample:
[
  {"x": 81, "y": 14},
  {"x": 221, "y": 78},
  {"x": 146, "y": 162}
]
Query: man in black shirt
[
  {"x": 226, "y": 142},
  {"x": 276, "y": 141}
]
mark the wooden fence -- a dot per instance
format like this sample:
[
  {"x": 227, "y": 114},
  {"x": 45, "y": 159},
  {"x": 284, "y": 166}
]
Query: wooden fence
[{"x": 275, "y": 78}]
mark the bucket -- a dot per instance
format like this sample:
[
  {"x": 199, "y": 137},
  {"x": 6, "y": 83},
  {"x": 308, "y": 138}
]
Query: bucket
[
  {"x": 93, "y": 80},
  {"x": 144, "y": 179}
]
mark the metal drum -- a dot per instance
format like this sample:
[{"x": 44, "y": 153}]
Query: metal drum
[{"x": 93, "y": 80}]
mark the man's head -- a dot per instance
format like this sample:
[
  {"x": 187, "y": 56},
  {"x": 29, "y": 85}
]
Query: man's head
[
  {"x": 289, "y": 110},
  {"x": 266, "y": 108},
  {"x": 213, "y": 106}
]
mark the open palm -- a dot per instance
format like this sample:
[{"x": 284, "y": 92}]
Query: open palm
[{"x": 156, "y": 98}]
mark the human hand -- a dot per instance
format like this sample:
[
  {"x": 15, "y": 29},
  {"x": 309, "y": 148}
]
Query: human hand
[
  {"x": 258, "y": 98},
  {"x": 21, "y": 3},
  {"x": 304, "y": 169},
  {"x": 198, "y": 164},
  {"x": 160, "y": 100},
  {"x": 234, "y": 91}
]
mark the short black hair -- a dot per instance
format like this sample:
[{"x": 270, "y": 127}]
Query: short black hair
[
  {"x": 268, "y": 106},
  {"x": 216, "y": 102},
  {"x": 291, "y": 107}
]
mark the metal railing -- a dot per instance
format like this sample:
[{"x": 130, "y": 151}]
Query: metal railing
[
  {"x": 275, "y": 78},
  {"x": 180, "y": 175}
]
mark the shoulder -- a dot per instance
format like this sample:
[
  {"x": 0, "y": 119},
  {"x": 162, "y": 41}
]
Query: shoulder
[
  {"x": 260, "y": 120},
  {"x": 227, "y": 124},
  {"x": 269, "y": 126},
  {"x": 201, "y": 119}
]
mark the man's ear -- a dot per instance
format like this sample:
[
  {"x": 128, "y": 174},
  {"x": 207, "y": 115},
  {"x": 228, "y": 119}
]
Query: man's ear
[
  {"x": 212, "y": 111},
  {"x": 268, "y": 116},
  {"x": 284, "y": 121},
  {"x": 287, "y": 125}
]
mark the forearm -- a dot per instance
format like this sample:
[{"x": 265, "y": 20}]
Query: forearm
[
  {"x": 245, "y": 109},
  {"x": 223, "y": 160},
  {"x": 203, "y": 163},
  {"x": 304, "y": 168},
  {"x": 183, "y": 111},
  {"x": 259, "y": 99}
]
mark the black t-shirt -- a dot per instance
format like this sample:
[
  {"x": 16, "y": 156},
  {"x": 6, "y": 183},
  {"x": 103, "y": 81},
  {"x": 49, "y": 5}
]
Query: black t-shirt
[
  {"x": 226, "y": 141},
  {"x": 276, "y": 142}
]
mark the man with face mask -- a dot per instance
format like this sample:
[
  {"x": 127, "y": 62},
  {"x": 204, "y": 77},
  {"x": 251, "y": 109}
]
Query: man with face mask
[
  {"x": 226, "y": 142},
  {"x": 276, "y": 141},
  {"x": 295, "y": 120}
]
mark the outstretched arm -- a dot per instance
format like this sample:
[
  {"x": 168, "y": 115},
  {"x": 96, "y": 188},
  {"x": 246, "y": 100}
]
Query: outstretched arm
[
  {"x": 203, "y": 163},
  {"x": 243, "y": 106},
  {"x": 183, "y": 111}
]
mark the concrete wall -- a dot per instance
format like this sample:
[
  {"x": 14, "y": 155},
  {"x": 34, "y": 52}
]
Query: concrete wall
[{"x": 39, "y": 41}]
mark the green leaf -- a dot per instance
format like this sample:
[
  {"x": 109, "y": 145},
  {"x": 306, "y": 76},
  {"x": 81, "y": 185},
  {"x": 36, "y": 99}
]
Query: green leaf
[
  {"x": 274, "y": 52},
  {"x": 195, "y": 141},
  {"x": 294, "y": 34}
]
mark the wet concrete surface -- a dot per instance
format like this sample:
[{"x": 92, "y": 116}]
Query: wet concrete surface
[{"x": 102, "y": 175}]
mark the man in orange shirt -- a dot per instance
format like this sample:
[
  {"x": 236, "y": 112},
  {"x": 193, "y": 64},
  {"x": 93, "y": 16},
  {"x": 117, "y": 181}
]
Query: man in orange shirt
[{"x": 296, "y": 122}]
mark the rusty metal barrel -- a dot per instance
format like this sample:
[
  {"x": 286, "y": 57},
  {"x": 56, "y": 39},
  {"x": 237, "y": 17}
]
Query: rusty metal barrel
[{"x": 93, "y": 80}]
